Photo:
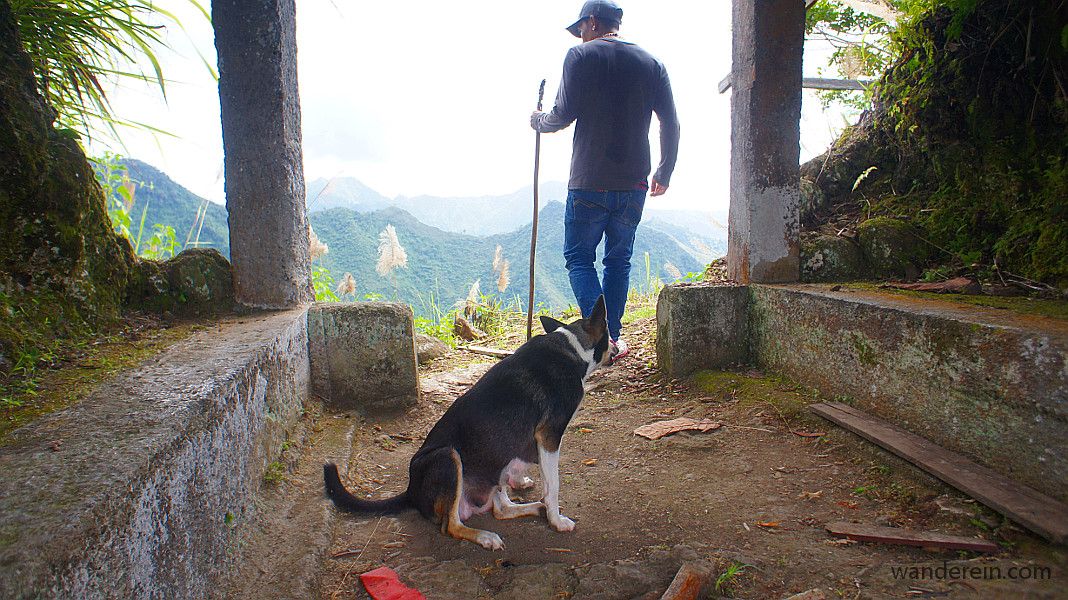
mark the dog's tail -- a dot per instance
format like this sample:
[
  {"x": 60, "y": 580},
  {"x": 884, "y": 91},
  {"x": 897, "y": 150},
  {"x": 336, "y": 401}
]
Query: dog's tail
[{"x": 346, "y": 501}]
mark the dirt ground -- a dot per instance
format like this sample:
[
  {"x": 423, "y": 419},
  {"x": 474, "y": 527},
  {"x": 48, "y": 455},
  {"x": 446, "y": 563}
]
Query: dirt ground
[{"x": 750, "y": 499}]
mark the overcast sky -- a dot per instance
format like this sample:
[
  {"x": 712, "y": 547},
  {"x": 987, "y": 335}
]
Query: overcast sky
[{"x": 430, "y": 97}]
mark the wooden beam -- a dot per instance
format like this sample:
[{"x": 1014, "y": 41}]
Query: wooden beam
[
  {"x": 725, "y": 83},
  {"x": 816, "y": 83},
  {"x": 1038, "y": 512},
  {"x": 908, "y": 537}
]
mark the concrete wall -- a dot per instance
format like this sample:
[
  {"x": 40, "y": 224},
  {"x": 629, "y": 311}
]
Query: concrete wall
[
  {"x": 988, "y": 384},
  {"x": 134, "y": 503},
  {"x": 992, "y": 387}
]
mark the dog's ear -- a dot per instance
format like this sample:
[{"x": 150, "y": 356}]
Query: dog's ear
[
  {"x": 550, "y": 324},
  {"x": 597, "y": 324}
]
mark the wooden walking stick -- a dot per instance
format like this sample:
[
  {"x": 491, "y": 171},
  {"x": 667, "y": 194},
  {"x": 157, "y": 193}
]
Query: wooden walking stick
[{"x": 534, "y": 223}]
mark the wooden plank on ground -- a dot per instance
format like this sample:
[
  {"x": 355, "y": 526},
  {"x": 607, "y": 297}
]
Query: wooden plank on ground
[
  {"x": 1038, "y": 512},
  {"x": 487, "y": 351},
  {"x": 908, "y": 537}
]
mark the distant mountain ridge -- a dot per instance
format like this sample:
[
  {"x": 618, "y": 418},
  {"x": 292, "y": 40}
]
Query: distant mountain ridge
[{"x": 442, "y": 264}]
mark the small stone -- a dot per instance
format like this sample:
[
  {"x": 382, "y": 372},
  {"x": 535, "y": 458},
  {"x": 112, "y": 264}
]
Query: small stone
[{"x": 429, "y": 348}]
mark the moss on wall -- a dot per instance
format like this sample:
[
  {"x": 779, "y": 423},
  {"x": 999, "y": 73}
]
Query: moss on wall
[{"x": 969, "y": 137}]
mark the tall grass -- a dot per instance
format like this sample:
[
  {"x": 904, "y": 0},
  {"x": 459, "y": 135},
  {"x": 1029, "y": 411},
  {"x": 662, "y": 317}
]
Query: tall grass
[{"x": 80, "y": 47}]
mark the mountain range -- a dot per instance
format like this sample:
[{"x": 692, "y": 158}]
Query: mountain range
[{"x": 443, "y": 261}]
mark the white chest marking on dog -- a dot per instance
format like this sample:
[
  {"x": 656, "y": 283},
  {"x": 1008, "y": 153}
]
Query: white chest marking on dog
[{"x": 585, "y": 354}]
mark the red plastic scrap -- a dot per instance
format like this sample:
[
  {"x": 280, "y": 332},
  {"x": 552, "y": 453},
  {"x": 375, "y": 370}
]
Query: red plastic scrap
[{"x": 383, "y": 584}]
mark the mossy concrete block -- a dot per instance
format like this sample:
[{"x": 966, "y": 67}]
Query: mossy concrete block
[
  {"x": 893, "y": 248},
  {"x": 363, "y": 355},
  {"x": 198, "y": 281},
  {"x": 701, "y": 327},
  {"x": 142, "y": 489},
  {"x": 982, "y": 382},
  {"x": 832, "y": 258}
]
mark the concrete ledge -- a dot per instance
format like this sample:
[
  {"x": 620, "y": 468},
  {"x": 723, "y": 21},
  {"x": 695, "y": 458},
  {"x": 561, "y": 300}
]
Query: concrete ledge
[
  {"x": 155, "y": 470},
  {"x": 701, "y": 327},
  {"x": 363, "y": 355},
  {"x": 989, "y": 384}
]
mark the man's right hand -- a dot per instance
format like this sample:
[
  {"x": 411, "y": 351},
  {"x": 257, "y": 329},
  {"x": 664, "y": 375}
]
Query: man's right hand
[
  {"x": 534, "y": 118},
  {"x": 657, "y": 189}
]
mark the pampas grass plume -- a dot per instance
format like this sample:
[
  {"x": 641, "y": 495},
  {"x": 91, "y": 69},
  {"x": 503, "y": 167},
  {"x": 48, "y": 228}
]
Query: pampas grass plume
[
  {"x": 316, "y": 248},
  {"x": 391, "y": 254}
]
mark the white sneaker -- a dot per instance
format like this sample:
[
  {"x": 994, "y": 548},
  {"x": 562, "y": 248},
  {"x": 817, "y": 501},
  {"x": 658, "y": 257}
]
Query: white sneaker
[{"x": 617, "y": 350}]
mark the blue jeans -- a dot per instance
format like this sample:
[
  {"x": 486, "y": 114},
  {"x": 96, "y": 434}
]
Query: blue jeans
[{"x": 589, "y": 216}]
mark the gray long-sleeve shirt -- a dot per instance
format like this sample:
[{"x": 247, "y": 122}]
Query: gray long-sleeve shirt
[{"x": 610, "y": 88}]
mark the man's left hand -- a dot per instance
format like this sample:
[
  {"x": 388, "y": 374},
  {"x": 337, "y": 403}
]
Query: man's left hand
[{"x": 657, "y": 189}]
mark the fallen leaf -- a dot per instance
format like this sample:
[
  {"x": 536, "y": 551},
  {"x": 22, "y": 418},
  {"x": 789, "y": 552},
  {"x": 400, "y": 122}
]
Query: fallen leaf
[
  {"x": 589, "y": 462},
  {"x": 55, "y": 445},
  {"x": 768, "y": 523},
  {"x": 655, "y": 431},
  {"x": 841, "y": 542},
  {"x": 585, "y": 430},
  {"x": 849, "y": 505},
  {"x": 810, "y": 495}
]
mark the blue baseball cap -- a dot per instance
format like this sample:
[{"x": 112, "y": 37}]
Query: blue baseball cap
[{"x": 601, "y": 9}]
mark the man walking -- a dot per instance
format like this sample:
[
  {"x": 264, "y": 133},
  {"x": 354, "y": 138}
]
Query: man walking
[{"x": 610, "y": 89}]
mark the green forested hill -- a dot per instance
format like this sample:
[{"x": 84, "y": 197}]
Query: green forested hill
[
  {"x": 171, "y": 204},
  {"x": 441, "y": 265},
  {"x": 446, "y": 264}
]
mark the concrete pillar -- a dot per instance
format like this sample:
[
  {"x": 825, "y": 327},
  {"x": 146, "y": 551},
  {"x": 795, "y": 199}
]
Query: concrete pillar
[
  {"x": 257, "y": 47},
  {"x": 763, "y": 244}
]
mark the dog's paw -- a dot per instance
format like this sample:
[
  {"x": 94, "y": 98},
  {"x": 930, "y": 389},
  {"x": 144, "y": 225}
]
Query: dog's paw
[
  {"x": 562, "y": 523},
  {"x": 489, "y": 540},
  {"x": 521, "y": 483}
]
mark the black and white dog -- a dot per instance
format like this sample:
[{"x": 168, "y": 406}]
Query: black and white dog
[{"x": 515, "y": 415}]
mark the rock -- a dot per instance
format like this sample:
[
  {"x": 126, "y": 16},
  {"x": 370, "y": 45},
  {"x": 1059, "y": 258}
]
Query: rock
[
  {"x": 428, "y": 348},
  {"x": 196, "y": 282},
  {"x": 953, "y": 505},
  {"x": 465, "y": 330},
  {"x": 634, "y": 577},
  {"x": 893, "y": 248},
  {"x": 813, "y": 199},
  {"x": 529, "y": 582},
  {"x": 449, "y": 580},
  {"x": 832, "y": 258}
]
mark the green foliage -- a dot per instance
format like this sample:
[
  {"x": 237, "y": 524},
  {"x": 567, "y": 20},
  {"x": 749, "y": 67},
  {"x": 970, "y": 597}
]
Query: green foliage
[
  {"x": 323, "y": 284},
  {"x": 980, "y": 132},
  {"x": 275, "y": 473},
  {"x": 162, "y": 245},
  {"x": 134, "y": 188},
  {"x": 81, "y": 47},
  {"x": 864, "y": 44},
  {"x": 726, "y": 580}
]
